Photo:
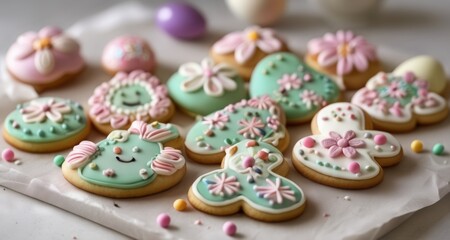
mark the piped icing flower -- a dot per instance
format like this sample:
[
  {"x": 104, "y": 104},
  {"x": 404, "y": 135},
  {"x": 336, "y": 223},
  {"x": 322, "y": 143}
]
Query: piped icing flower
[
  {"x": 345, "y": 50},
  {"x": 245, "y": 43},
  {"x": 38, "y": 111},
  {"x": 346, "y": 145},
  {"x": 213, "y": 78}
]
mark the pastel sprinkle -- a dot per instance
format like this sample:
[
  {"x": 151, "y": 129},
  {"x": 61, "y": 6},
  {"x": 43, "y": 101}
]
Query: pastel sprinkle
[
  {"x": 117, "y": 150},
  {"x": 17, "y": 162},
  {"x": 367, "y": 135},
  {"x": 143, "y": 173},
  {"x": 438, "y": 149},
  {"x": 378, "y": 148},
  {"x": 354, "y": 167},
  {"x": 369, "y": 168},
  {"x": 93, "y": 166},
  {"x": 163, "y": 220},
  {"x": 41, "y": 133},
  {"x": 309, "y": 142},
  {"x": 180, "y": 204},
  {"x": 58, "y": 160},
  {"x": 347, "y": 198},
  {"x": 380, "y": 139},
  {"x": 8, "y": 155},
  {"x": 109, "y": 172},
  {"x": 198, "y": 222},
  {"x": 136, "y": 149},
  {"x": 248, "y": 161},
  {"x": 27, "y": 131},
  {"x": 15, "y": 125},
  {"x": 229, "y": 228},
  {"x": 64, "y": 126},
  {"x": 155, "y": 124},
  {"x": 263, "y": 154},
  {"x": 251, "y": 143},
  {"x": 417, "y": 146}
]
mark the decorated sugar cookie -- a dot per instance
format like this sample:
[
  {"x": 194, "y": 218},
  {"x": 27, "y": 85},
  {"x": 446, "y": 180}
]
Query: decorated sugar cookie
[
  {"x": 44, "y": 59},
  {"x": 252, "y": 181},
  {"x": 215, "y": 84},
  {"x": 258, "y": 119},
  {"x": 46, "y": 124},
  {"x": 349, "y": 58},
  {"x": 126, "y": 54},
  {"x": 344, "y": 152},
  {"x": 298, "y": 89},
  {"x": 242, "y": 50},
  {"x": 128, "y": 97},
  {"x": 142, "y": 160},
  {"x": 399, "y": 103}
]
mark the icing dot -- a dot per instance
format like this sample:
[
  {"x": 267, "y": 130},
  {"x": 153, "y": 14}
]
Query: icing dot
[
  {"x": 280, "y": 57},
  {"x": 301, "y": 152},
  {"x": 15, "y": 125},
  {"x": 198, "y": 222},
  {"x": 8, "y": 155},
  {"x": 352, "y": 116},
  {"x": 378, "y": 148},
  {"x": 248, "y": 162},
  {"x": 180, "y": 204},
  {"x": 417, "y": 146},
  {"x": 78, "y": 118},
  {"x": 27, "y": 131},
  {"x": 251, "y": 143},
  {"x": 347, "y": 198},
  {"x": 438, "y": 149},
  {"x": 52, "y": 129},
  {"x": 369, "y": 168},
  {"x": 328, "y": 165},
  {"x": 109, "y": 172},
  {"x": 229, "y": 228},
  {"x": 380, "y": 139},
  {"x": 354, "y": 167},
  {"x": 117, "y": 150},
  {"x": 136, "y": 149},
  {"x": 163, "y": 220},
  {"x": 228, "y": 141},
  {"x": 209, "y": 133},
  {"x": 307, "y": 77},
  {"x": 93, "y": 166},
  {"x": 325, "y": 119},
  {"x": 367, "y": 135},
  {"x": 155, "y": 124},
  {"x": 58, "y": 160},
  {"x": 393, "y": 147},
  {"x": 199, "y": 138},
  {"x": 337, "y": 168},
  {"x": 41, "y": 133},
  {"x": 320, "y": 163},
  {"x": 308, "y": 142},
  {"x": 17, "y": 162},
  {"x": 64, "y": 126},
  {"x": 263, "y": 154},
  {"x": 143, "y": 173}
]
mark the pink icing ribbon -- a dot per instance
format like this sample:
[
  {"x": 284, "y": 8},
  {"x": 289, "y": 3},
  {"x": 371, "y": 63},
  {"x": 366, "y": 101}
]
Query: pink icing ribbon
[
  {"x": 148, "y": 133},
  {"x": 81, "y": 154},
  {"x": 168, "y": 161}
]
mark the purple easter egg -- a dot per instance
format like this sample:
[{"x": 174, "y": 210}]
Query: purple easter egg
[{"x": 181, "y": 20}]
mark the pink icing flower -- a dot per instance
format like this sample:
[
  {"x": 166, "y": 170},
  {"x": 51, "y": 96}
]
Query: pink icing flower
[
  {"x": 369, "y": 96},
  {"x": 46, "y": 45},
  {"x": 275, "y": 192},
  {"x": 395, "y": 90},
  {"x": 396, "y": 109},
  {"x": 213, "y": 78},
  {"x": 263, "y": 102},
  {"x": 223, "y": 185},
  {"x": 251, "y": 128},
  {"x": 346, "y": 145},
  {"x": 345, "y": 50},
  {"x": 244, "y": 44},
  {"x": 288, "y": 82},
  {"x": 273, "y": 122},
  {"x": 148, "y": 133},
  {"x": 310, "y": 98},
  {"x": 218, "y": 120},
  {"x": 81, "y": 154},
  {"x": 38, "y": 111}
]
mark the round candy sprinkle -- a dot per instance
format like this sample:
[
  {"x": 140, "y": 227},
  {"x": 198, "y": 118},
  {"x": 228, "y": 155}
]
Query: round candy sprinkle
[
  {"x": 438, "y": 149},
  {"x": 229, "y": 228},
  {"x": 248, "y": 162},
  {"x": 163, "y": 220},
  {"x": 8, "y": 155},
  {"x": 417, "y": 146},
  {"x": 308, "y": 142},
  {"x": 58, "y": 160},
  {"x": 117, "y": 150},
  {"x": 380, "y": 139},
  {"x": 354, "y": 167},
  {"x": 180, "y": 204}
]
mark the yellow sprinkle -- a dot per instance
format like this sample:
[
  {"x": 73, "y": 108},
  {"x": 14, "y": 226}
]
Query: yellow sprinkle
[
  {"x": 417, "y": 146},
  {"x": 180, "y": 205},
  {"x": 155, "y": 124}
]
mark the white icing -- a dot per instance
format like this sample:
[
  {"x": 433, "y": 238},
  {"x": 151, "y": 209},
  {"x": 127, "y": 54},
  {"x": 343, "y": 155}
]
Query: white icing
[
  {"x": 65, "y": 44},
  {"x": 441, "y": 104},
  {"x": 44, "y": 61},
  {"x": 119, "y": 135},
  {"x": 346, "y": 123}
]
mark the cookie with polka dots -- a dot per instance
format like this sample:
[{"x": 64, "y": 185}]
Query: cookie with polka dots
[
  {"x": 344, "y": 152},
  {"x": 142, "y": 160}
]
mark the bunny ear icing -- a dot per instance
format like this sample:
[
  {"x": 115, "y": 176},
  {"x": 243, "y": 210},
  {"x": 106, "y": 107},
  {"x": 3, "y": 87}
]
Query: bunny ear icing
[
  {"x": 119, "y": 135},
  {"x": 168, "y": 161},
  {"x": 81, "y": 154},
  {"x": 148, "y": 133}
]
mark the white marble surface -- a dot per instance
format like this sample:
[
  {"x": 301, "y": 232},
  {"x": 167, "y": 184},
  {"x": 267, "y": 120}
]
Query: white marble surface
[{"x": 410, "y": 26}]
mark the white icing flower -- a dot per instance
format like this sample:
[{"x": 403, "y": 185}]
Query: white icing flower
[
  {"x": 213, "y": 78},
  {"x": 38, "y": 111}
]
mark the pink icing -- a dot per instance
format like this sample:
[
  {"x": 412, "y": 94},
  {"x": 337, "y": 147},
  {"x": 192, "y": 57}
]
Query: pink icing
[
  {"x": 81, "y": 154},
  {"x": 380, "y": 139},
  {"x": 223, "y": 185},
  {"x": 346, "y": 145},
  {"x": 308, "y": 142},
  {"x": 275, "y": 192},
  {"x": 39, "y": 66},
  {"x": 128, "y": 53},
  {"x": 38, "y": 111},
  {"x": 148, "y": 133},
  {"x": 344, "y": 49},
  {"x": 168, "y": 161},
  {"x": 354, "y": 167},
  {"x": 244, "y": 46}
]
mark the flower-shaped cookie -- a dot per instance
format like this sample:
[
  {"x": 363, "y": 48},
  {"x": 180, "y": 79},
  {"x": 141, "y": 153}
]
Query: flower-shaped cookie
[
  {"x": 129, "y": 163},
  {"x": 127, "y": 97},
  {"x": 251, "y": 180},
  {"x": 344, "y": 153},
  {"x": 298, "y": 89},
  {"x": 398, "y": 103}
]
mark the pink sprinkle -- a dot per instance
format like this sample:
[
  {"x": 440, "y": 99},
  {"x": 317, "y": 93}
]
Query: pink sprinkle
[
  {"x": 251, "y": 143},
  {"x": 409, "y": 77},
  {"x": 325, "y": 118},
  {"x": 307, "y": 77},
  {"x": 349, "y": 107},
  {"x": 326, "y": 215},
  {"x": 117, "y": 150},
  {"x": 8, "y": 155},
  {"x": 163, "y": 220},
  {"x": 354, "y": 167},
  {"x": 352, "y": 116},
  {"x": 248, "y": 162},
  {"x": 263, "y": 154},
  {"x": 109, "y": 172},
  {"x": 229, "y": 228},
  {"x": 308, "y": 142},
  {"x": 380, "y": 139},
  {"x": 198, "y": 222},
  {"x": 339, "y": 109},
  {"x": 15, "y": 125}
]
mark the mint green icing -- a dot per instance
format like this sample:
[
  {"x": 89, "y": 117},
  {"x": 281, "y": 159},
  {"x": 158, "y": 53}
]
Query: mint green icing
[
  {"x": 410, "y": 90},
  {"x": 198, "y": 102},
  {"x": 130, "y": 97},
  {"x": 47, "y": 130},
  {"x": 272, "y": 68}
]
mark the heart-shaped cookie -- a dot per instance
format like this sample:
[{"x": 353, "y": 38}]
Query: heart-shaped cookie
[
  {"x": 298, "y": 89},
  {"x": 258, "y": 118}
]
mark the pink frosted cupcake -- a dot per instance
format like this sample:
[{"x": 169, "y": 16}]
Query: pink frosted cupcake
[
  {"x": 126, "y": 54},
  {"x": 44, "y": 59}
]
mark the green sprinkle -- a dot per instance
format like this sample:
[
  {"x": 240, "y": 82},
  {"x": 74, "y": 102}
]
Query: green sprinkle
[
  {"x": 41, "y": 133},
  {"x": 27, "y": 131},
  {"x": 370, "y": 168},
  {"x": 228, "y": 141},
  {"x": 320, "y": 163},
  {"x": 438, "y": 149},
  {"x": 328, "y": 165},
  {"x": 59, "y": 160},
  {"x": 337, "y": 168}
]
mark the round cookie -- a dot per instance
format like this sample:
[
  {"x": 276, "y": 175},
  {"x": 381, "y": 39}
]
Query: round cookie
[
  {"x": 128, "y": 53},
  {"x": 46, "y": 124},
  {"x": 258, "y": 119},
  {"x": 142, "y": 160},
  {"x": 343, "y": 152},
  {"x": 347, "y": 57},
  {"x": 242, "y": 50},
  {"x": 399, "y": 103},
  {"x": 44, "y": 59},
  {"x": 251, "y": 180},
  {"x": 127, "y": 97},
  {"x": 215, "y": 84},
  {"x": 298, "y": 89}
]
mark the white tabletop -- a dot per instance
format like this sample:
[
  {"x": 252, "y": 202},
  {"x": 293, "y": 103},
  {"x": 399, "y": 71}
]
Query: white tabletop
[{"x": 410, "y": 26}]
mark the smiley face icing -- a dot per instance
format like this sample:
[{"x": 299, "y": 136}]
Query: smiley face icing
[
  {"x": 252, "y": 181},
  {"x": 258, "y": 118},
  {"x": 128, "y": 163},
  {"x": 298, "y": 89},
  {"x": 128, "y": 97},
  {"x": 343, "y": 153}
]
